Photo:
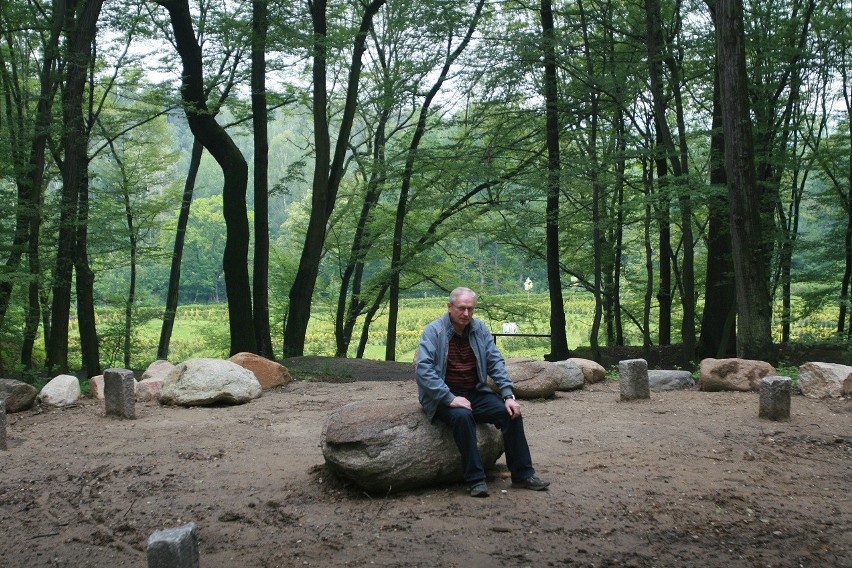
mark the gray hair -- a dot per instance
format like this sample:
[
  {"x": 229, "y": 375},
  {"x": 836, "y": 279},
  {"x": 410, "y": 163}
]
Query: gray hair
[{"x": 459, "y": 291}]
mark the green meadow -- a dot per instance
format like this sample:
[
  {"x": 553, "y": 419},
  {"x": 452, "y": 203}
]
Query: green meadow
[{"x": 202, "y": 330}]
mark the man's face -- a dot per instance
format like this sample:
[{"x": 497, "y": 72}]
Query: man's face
[{"x": 461, "y": 311}]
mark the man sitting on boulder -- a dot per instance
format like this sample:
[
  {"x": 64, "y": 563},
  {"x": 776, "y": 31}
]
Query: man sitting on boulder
[{"x": 457, "y": 354}]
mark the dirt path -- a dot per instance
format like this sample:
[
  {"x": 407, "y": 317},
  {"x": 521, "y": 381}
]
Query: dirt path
[{"x": 685, "y": 479}]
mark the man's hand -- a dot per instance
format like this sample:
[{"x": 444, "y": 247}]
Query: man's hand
[
  {"x": 461, "y": 402},
  {"x": 513, "y": 408}
]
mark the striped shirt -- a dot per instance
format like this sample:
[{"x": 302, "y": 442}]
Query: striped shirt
[{"x": 461, "y": 364}]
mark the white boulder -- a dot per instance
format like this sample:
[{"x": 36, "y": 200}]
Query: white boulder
[
  {"x": 62, "y": 390},
  {"x": 824, "y": 380},
  {"x": 200, "y": 382}
]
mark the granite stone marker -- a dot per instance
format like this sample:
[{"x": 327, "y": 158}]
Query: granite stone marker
[
  {"x": 120, "y": 393},
  {"x": 3, "y": 425},
  {"x": 775, "y": 398},
  {"x": 174, "y": 548},
  {"x": 633, "y": 379}
]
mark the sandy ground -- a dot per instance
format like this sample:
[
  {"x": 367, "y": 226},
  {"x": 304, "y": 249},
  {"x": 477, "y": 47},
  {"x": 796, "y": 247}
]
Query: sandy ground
[{"x": 685, "y": 479}]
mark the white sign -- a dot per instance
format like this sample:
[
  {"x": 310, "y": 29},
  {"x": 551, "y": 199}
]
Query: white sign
[{"x": 510, "y": 327}]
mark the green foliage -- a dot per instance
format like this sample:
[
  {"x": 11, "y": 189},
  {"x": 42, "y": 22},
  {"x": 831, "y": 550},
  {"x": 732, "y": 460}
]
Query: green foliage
[
  {"x": 484, "y": 124},
  {"x": 200, "y": 330}
]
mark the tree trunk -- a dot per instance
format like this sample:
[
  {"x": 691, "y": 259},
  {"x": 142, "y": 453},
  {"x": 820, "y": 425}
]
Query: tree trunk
[
  {"x": 844, "y": 315},
  {"x": 173, "y": 294},
  {"x": 773, "y": 127},
  {"x": 647, "y": 187},
  {"x": 74, "y": 142},
  {"x": 558, "y": 339},
  {"x": 20, "y": 237},
  {"x": 597, "y": 189},
  {"x": 327, "y": 175},
  {"x": 29, "y": 166},
  {"x": 618, "y": 238},
  {"x": 260, "y": 291},
  {"x": 234, "y": 169},
  {"x": 133, "y": 243},
  {"x": 85, "y": 282},
  {"x": 368, "y": 319},
  {"x": 754, "y": 339},
  {"x": 663, "y": 216},
  {"x": 680, "y": 157},
  {"x": 718, "y": 323},
  {"x": 402, "y": 204},
  {"x": 33, "y": 312},
  {"x": 362, "y": 241},
  {"x": 665, "y": 153}
]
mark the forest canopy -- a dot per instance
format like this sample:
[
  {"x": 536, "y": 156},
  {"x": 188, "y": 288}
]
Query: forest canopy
[{"x": 686, "y": 166}]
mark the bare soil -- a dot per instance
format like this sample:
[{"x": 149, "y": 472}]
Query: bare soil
[{"x": 685, "y": 479}]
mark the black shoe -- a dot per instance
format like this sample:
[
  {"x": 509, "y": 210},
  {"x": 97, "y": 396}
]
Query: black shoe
[
  {"x": 533, "y": 483},
  {"x": 479, "y": 489}
]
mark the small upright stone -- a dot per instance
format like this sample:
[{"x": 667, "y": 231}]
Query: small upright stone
[
  {"x": 120, "y": 393},
  {"x": 3, "y": 425},
  {"x": 633, "y": 379},
  {"x": 775, "y": 398},
  {"x": 173, "y": 548}
]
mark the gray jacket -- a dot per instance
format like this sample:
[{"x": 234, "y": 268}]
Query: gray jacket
[{"x": 431, "y": 363}]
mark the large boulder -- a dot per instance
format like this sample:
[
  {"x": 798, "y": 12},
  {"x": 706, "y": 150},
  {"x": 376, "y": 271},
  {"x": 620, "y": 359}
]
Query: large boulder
[
  {"x": 733, "y": 374},
  {"x": 388, "y": 446},
  {"x": 593, "y": 371},
  {"x": 159, "y": 369},
  {"x": 200, "y": 382},
  {"x": 534, "y": 378},
  {"x": 62, "y": 390},
  {"x": 270, "y": 374},
  {"x": 149, "y": 387},
  {"x": 17, "y": 395},
  {"x": 573, "y": 377},
  {"x": 668, "y": 380},
  {"x": 825, "y": 380}
]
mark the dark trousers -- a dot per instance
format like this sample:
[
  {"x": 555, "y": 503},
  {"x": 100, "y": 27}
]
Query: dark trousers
[{"x": 488, "y": 408}]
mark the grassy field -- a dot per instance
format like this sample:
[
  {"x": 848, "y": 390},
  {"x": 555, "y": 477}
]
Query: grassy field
[{"x": 202, "y": 330}]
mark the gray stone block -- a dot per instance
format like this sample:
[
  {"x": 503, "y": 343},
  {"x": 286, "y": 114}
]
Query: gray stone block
[
  {"x": 775, "y": 398},
  {"x": 174, "y": 548},
  {"x": 633, "y": 379},
  {"x": 3, "y": 425},
  {"x": 120, "y": 393}
]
